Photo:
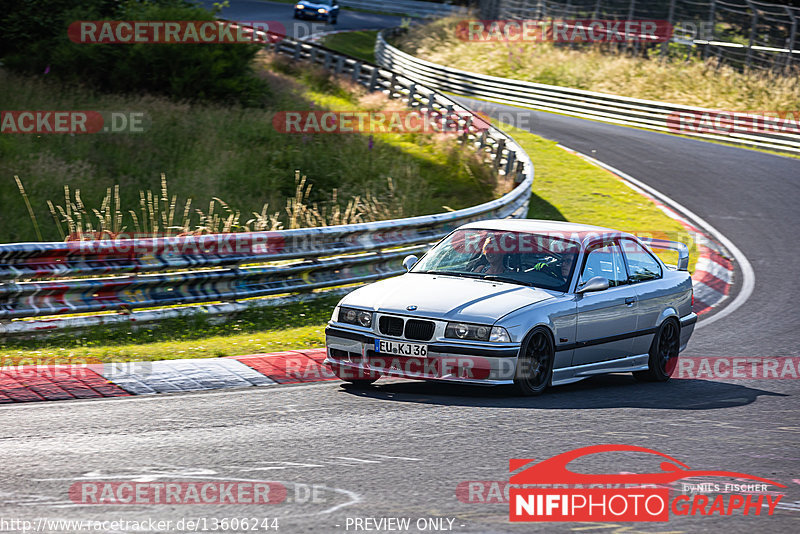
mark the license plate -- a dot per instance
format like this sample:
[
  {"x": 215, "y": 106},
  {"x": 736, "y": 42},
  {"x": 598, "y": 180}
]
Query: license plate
[{"x": 401, "y": 348}]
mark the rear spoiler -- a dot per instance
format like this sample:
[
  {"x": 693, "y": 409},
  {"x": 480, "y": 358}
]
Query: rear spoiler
[{"x": 680, "y": 248}]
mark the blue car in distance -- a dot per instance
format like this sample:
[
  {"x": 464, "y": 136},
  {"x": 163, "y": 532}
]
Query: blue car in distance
[{"x": 327, "y": 10}]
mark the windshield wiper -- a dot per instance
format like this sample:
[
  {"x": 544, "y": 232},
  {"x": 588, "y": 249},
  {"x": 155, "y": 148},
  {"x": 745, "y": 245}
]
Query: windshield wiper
[
  {"x": 506, "y": 279},
  {"x": 454, "y": 273}
]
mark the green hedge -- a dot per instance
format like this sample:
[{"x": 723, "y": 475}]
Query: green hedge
[{"x": 34, "y": 41}]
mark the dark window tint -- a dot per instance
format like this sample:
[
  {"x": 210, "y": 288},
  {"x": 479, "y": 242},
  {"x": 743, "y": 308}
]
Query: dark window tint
[
  {"x": 641, "y": 264},
  {"x": 606, "y": 261}
]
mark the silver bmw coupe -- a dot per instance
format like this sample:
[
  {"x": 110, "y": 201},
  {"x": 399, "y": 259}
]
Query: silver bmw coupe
[{"x": 526, "y": 303}]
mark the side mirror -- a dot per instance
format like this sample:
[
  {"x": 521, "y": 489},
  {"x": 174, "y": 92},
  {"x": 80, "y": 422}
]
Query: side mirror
[
  {"x": 596, "y": 283},
  {"x": 409, "y": 262}
]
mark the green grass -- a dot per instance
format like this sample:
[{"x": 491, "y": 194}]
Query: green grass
[
  {"x": 568, "y": 188},
  {"x": 565, "y": 188},
  {"x": 293, "y": 326},
  {"x": 234, "y": 153},
  {"x": 360, "y": 44}
]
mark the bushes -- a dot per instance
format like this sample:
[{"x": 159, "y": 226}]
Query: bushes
[{"x": 36, "y": 41}]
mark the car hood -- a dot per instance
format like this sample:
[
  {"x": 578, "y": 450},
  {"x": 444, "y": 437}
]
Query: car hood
[
  {"x": 446, "y": 297},
  {"x": 314, "y": 5}
]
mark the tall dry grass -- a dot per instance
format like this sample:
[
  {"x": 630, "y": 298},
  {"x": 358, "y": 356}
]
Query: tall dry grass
[
  {"x": 215, "y": 152},
  {"x": 160, "y": 213},
  {"x": 694, "y": 82}
]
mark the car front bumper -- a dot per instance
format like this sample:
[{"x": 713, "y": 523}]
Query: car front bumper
[
  {"x": 311, "y": 14},
  {"x": 351, "y": 354}
]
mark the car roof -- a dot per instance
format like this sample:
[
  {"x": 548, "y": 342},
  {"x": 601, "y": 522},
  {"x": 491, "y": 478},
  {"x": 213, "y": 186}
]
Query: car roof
[{"x": 566, "y": 230}]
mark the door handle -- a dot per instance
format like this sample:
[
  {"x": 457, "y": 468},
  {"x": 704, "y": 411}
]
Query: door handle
[{"x": 629, "y": 301}]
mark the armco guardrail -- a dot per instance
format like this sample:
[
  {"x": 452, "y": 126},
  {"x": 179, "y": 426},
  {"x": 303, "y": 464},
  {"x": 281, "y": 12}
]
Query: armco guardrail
[
  {"x": 85, "y": 283},
  {"x": 649, "y": 114},
  {"x": 407, "y": 7}
]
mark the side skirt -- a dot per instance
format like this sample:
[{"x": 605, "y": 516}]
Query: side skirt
[{"x": 568, "y": 375}]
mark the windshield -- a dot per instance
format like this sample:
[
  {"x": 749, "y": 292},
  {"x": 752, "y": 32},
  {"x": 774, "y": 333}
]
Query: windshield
[{"x": 517, "y": 257}]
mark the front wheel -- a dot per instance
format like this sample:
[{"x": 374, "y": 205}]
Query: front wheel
[
  {"x": 357, "y": 377},
  {"x": 663, "y": 353},
  {"x": 535, "y": 364}
]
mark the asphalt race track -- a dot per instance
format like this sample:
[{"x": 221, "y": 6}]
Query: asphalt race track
[
  {"x": 282, "y": 14},
  {"x": 401, "y": 448}
]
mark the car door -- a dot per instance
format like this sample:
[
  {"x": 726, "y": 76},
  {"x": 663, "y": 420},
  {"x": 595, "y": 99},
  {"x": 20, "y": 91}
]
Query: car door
[
  {"x": 644, "y": 274},
  {"x": 606, "y": 319}
]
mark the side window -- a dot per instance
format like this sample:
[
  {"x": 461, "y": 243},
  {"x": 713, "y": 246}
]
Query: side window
[
  {"x": 605, "y": 260},
  {"x": 641, "y": 264}
]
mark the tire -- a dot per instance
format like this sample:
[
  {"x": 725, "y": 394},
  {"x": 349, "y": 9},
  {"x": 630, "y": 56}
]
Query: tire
[
  {"x": 335, "y": 19},
  {"x": 361, "y": 383},
  {"x": 534, "y": 372},
  {"x": 663, "y": 353},
  {"x": 357, "y": 377}
]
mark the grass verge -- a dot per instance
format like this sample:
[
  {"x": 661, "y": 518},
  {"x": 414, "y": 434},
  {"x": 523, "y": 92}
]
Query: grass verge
[
  {"x": 232, "y": 152},
  {"x": 359, "y": 44},
  {"x": 693, "y": 82}
]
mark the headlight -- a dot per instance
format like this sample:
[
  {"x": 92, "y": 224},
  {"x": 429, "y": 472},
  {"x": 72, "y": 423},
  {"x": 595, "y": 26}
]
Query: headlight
[
  {"x": 499, "y": 335},
  {"x": 477, "y": 332},
  {"x": 299, "y": 6},
  {"x": 357, "y": 317},
  {"x": 321, "y": 10}
]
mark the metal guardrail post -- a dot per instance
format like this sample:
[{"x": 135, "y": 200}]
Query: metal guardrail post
[
  {"x": 327, "y": 62},
  {"x": 373, "y": 78},
  {"x": 671, "y": 21},
  {"x": 339, "y": 65},
  {"x": 509, "y": 163},
  {"x": 792, "y": 37},
  {"x": 357, "y": 71},
  {"x": 753, "y": 24},
  {"x": 498, "y": 153},
  {"x": 712, "y": 22}
]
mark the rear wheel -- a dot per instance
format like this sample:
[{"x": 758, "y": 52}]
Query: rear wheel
[
  {"x": 359, "y": 383},
  {"x": 663, "y": 353},
  {"x": 535, "y": 364}
]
